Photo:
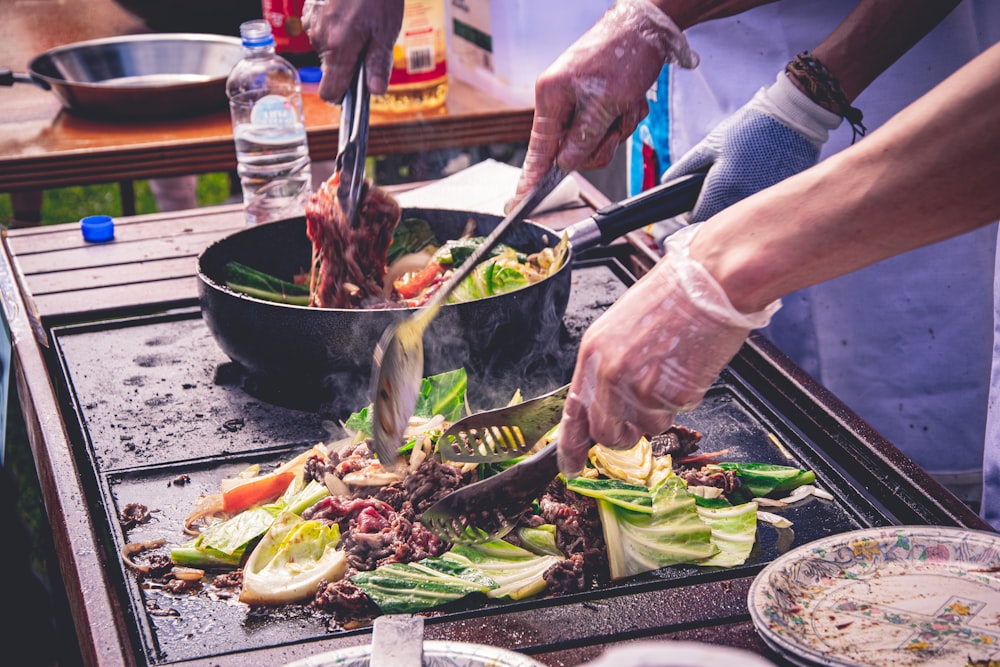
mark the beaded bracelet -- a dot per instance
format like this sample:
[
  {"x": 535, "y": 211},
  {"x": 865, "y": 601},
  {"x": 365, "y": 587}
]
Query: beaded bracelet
[{"x": 824, "y": 89}]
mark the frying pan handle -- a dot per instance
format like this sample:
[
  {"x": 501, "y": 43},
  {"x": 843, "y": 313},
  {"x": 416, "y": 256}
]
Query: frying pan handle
[
  {"x": 664, "y": 201},
  {"x": 9, "y": 78}
]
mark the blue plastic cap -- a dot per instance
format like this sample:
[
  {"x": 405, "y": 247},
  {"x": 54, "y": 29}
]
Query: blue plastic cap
[
  {"x": 256, "y": 33},
  {"x": 98, "y": 228},
  {"x": 310, "y": 74}
]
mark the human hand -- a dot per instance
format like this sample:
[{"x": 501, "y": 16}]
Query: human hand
[
  {"x": 653, "y": 354},
  {"x": 594, "y": 95},
  {"x": 345, "y": 31},
  {"x": 777, "y": 134}
]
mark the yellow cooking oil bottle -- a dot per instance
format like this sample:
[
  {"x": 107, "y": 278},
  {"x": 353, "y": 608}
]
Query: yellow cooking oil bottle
[{"x": 419, "y": 79}]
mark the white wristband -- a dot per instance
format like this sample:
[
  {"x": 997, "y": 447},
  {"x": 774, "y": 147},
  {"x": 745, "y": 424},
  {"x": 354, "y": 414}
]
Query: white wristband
[{"x": 789, "y": 105}]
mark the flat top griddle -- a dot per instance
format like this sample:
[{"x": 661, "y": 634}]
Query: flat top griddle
[{"x": 153, "y": 400}]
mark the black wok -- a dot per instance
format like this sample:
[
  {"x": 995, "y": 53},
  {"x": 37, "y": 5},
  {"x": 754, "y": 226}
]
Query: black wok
[
  {"x": 137, "y": 77},
  {"x": 316, "y": 347}
]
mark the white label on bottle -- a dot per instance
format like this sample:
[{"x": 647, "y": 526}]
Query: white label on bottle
[{"x": 274, "y": 111}]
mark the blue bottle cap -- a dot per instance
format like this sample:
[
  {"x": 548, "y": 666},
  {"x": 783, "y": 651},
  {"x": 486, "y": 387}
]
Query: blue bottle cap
[
  {"x": 310, "y": 74},
  {"x": 98, "y": 228}
]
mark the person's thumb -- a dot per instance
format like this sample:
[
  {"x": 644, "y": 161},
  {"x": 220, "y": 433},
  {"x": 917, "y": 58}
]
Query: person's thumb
[{"x": 574, "y": 438}]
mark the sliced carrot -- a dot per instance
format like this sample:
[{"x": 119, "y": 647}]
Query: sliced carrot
[
  {"x": 411, "y": 284},
  {"x": 256, "y": 491}
]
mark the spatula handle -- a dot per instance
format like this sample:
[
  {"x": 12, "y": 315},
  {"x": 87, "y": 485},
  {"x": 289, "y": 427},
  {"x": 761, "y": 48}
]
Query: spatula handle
[{"x": 615, "y": 220}]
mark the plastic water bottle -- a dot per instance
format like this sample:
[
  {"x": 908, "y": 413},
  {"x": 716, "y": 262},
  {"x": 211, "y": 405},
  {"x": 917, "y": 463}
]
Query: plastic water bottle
[{"x": 272, "y": 154}]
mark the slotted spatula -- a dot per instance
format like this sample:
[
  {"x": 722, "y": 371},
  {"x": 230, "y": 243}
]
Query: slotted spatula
[
  {"x": 504, "y": 433},
  {"x": 398, "y": 360},
  {"x": 488, "y": 509}
]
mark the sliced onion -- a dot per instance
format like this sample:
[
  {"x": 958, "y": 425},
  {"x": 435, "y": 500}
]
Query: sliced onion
[
  {"x": 421, "y": 425},
  {"x": 798, "y": 493},
  {"x": 187, "y": 573},
  {"x": 822, "y": 493},
  {"x": 335, "y": 485},
  {"x": 373, "y": 475},
  {"x": 770, "y": 502},
  {"x": 133, "y": 548},
  {"x": 206, "y": 506},
  {"x": 774, "y": 519}
]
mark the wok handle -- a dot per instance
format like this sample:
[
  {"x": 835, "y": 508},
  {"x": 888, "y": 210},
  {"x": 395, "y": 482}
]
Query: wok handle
[{"x": 615, "y": 220}]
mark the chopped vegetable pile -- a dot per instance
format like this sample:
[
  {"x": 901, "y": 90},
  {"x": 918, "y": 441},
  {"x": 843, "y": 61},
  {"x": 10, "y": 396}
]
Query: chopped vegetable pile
[
  {"x": 335, "y": 529},
  {"x": 418, "y": 264}
]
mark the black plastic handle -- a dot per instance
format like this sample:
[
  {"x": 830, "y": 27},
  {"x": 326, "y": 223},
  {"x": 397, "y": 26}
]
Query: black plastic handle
[{"x": 615, "y": 220}]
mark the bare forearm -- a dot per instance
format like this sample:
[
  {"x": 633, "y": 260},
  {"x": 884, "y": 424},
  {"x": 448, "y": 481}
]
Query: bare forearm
[
  {"x": 928, "y": 174},
  {"x": 686, "y": 13},
  {"x": 873, "y": 36},
  {"x": 870, "y": 39}
]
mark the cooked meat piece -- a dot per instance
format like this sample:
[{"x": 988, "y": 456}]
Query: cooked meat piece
[
  {"x": 132, "y": 515},
  {"x": 232, "y": 579},
  {"x": 343, "y": 599},
  {"x": 678, "y": 441},
  {"x": 351, "y": 261},
  {"x": 431, "y": 481},
  {"x": 727, "y": 480},
  {"x": 578, "y": 529},
  {"x": 392, "y": 495},
  {"x": 374, "y": 534},
  {"x": 182, "y": 586},
  {"x": 566, "y": 576},
  {"x": 159, "y": 564}
]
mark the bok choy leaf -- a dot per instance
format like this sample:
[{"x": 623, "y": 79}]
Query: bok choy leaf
[
  {"x": 442, "y": 394},
  {"x": 760, "y": 479},
  {"x": 518, "y": 573},
  {"x": 405, "y": 588},
  {"x": 248, "y": 280},
  {"x": 646, "y": 530}
]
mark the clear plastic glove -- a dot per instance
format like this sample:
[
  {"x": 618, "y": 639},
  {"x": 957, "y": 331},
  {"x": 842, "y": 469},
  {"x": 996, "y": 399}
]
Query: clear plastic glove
[
  {"x": 594, "y": 95},
  {"x": 777, "y": 134},
  {"x": 344, "y": 31},
  {"x": 653, "y": 354}
]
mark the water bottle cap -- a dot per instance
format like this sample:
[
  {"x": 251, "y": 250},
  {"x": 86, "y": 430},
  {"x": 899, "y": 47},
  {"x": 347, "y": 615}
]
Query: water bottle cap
[
  {"x": 97, "y": 228},
  {"x": 310, "y": 74},
  {"x": 256, "y": 33}
]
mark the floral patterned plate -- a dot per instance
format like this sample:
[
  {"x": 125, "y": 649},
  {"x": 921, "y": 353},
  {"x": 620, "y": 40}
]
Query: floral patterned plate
[{"x": 898, "y": 595}]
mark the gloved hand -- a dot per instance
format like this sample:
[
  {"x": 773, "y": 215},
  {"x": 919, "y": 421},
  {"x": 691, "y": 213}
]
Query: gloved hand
[
  {"x": 594, "y": 95},
  {"x": 777, "y": 134},
  {"x": 653, "y": 354},
  {"x": 344, "y": 31}
]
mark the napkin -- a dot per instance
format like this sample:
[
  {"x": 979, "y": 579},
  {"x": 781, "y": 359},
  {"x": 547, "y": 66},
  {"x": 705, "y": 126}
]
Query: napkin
[{"x": 485, "y": 187}]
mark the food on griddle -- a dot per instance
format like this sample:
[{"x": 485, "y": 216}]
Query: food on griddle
[
  {"x": 343, "y": 535},
  {"x": 386, "y": 262},
  {"x": 349, "y": 263}
]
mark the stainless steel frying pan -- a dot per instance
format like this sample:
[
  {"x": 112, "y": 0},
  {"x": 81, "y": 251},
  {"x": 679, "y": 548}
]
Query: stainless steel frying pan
[{"x": 136, "y": 77}]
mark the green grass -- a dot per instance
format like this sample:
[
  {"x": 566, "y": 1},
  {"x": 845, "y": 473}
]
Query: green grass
[{"x": 65, "y": 205}]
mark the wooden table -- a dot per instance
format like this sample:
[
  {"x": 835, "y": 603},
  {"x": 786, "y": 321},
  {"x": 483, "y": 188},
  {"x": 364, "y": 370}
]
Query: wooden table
[
  {"x": 50, "y": 276},
  {"x": 43, "y": 146}
]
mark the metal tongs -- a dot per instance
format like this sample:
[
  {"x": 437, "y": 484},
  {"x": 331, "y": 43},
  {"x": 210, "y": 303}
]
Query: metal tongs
[
  {"x": 352, "y": 147},
  {"x": 398, "y": 362}
]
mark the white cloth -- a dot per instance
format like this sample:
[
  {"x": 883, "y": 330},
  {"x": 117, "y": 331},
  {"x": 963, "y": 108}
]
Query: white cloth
[{"x": 907, "y": 344}]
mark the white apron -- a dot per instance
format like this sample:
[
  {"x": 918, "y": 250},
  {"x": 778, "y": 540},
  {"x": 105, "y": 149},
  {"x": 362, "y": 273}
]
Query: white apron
[{"x": 907, "y": 344}]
